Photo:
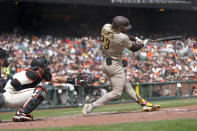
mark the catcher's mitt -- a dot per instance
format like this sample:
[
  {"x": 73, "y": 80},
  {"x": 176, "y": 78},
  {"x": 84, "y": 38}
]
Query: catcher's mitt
[{"x": 84, "y": 79}]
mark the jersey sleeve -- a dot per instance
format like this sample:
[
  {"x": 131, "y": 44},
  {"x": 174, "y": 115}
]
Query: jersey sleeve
[{"x": 127, "y": 42}]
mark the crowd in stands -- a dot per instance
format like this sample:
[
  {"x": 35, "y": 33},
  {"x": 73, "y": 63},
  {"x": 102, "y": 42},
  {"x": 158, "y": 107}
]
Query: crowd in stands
[{"x": 156, "y": 62}]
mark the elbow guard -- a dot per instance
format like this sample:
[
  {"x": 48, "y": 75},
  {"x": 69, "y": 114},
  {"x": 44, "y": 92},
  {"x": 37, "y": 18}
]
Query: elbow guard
[
  {"x": 136, "y": 46},
  {"x": 16, "y": 84}
]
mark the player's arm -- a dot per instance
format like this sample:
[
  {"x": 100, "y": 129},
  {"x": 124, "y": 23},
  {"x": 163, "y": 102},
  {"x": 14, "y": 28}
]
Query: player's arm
[
  {"x": 65, "y": 79},
  {"x": 133, "y": 43},
  {"x": 81, "y": 79},
  {"x": 59, "y": 79}
]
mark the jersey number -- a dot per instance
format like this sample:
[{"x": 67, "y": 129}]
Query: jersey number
[{"x": 105, "y": 42}]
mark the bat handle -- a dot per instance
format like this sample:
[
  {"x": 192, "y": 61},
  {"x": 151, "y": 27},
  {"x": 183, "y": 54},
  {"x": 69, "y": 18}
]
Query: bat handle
[{"x": 146, "y": 41}]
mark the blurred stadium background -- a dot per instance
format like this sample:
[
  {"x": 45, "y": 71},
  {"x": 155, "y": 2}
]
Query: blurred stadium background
[{"x": 67, "y": 32}]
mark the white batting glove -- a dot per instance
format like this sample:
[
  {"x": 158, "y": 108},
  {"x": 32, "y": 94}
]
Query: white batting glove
[{"x": 138, "y": 40}]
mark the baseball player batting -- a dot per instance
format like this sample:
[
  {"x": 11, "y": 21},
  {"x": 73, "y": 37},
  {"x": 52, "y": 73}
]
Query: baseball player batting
[{"x": 114, "y": 40}]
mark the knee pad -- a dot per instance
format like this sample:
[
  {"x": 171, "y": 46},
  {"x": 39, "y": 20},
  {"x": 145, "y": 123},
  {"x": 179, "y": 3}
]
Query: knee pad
[
  {"x": 40, "y": 92},
  {"x": 2, "y": 99},
  {"x": 36, "y": 99}
]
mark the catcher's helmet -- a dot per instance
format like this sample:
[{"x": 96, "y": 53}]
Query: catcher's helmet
[
  {"x": 121, "y": 21},
  {"x": 39, "y": 62},
  {"x": 3, "y": 54}
]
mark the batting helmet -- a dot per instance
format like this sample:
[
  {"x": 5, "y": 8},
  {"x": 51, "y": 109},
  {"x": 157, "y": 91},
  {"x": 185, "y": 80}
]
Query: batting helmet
[
  {"x": 121, "y": 21},
  {"x": 39, "y": 62}
]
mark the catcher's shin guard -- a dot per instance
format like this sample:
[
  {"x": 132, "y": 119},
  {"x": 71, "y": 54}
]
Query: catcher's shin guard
[{"x": 36, "y": 99}]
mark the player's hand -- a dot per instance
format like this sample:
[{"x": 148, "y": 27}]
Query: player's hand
[
  {"x": 84, "y": 79},
  {"x": 138, "y": 40}
]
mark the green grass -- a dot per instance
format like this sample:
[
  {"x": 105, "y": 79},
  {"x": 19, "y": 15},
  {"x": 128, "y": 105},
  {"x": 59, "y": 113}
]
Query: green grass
[
  {"x": 166, "y": 125},
  {"x": 106, "y": 108}
]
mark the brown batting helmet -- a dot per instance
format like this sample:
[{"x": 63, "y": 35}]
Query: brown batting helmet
[{"x": 121, "y": 21}]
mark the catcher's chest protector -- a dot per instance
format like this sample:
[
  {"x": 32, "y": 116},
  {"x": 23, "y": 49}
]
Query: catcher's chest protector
[{"x": 28, "y": 78}]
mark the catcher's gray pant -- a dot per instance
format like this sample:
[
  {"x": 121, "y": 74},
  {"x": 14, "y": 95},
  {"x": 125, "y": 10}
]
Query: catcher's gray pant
[{"x": 119, "y": 82}]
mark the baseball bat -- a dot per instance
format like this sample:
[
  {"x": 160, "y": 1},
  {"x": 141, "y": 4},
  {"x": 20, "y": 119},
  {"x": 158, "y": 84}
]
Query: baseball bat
[
  {"x": 132, "y": 38},
  {"x": 167, "y": 38}
]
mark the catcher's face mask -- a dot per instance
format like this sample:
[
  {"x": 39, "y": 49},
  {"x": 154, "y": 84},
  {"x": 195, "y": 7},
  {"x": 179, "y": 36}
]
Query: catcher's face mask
[{"x": 46, "y": 73}]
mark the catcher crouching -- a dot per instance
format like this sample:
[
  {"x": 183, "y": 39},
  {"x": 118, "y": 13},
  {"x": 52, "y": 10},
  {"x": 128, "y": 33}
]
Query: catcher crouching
[{"x": 23, "y": 90}]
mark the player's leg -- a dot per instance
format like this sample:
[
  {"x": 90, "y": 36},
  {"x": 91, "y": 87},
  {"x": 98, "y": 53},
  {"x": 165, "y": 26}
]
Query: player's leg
[
  {"x": 23, "y": 114},
  {"x": 130, "y": 91},
  {"x": 146, "y": 106},
  {"x": 117, "y": 85},
  {"x": 16, "y": 99},
  {"x": 116, "y": 72}
]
